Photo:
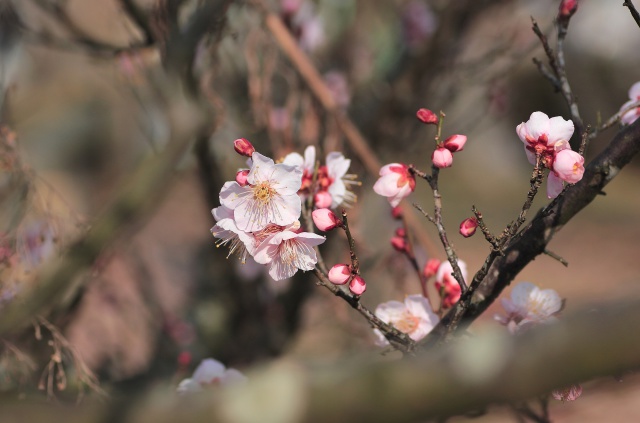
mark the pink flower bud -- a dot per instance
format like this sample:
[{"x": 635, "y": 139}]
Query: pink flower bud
[
  {"x": 339, "y": 274},
  {"x": 357, "y": 285},
  {"x": 243, "y": 147},
  {"x": 427, "y": 116},
  {"x": 431, "y": 268},
  {"x": 398, "y": 243},
  {"x": 442, "y": 157},
  {"x": 322, "y": 199},
  {"x": 468, "y": 227},
  {"x": 568, "y": 166},
  {"x": 325, "y": 219},
  {"x": 396, "y": 212},
  {"x": 241, "y": 177},
  {"x": 401, "y": 232},
  {"x": 567, "y": 8},
  {"x": 455, "y": 142}
]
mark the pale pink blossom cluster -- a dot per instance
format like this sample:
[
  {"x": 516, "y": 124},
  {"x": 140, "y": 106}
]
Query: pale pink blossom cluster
[
  {"x": 306, "y": 25},
  {"x": 529, "y": 306},
  {"x": 548, "y": 139},
  {"x": 414, "y": 317},
  {"x": 259, "y": 215},
  {"x": 634, "y": 96},
  {"x": 210, "y": 373}
]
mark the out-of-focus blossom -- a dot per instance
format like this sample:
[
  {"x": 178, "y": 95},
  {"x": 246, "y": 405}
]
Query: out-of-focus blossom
[
  {"x": 399, "y": 243},
  {"x": 447, "y": 285},
  {"x": 357, "y": 286},
  {"x": 396, "y": 212},
  {"x": 36, "y": 243},
  {"x": 634, "y": 95},
  {"x": 287, "y": 252},
  {"x": 322, "y": 199},
  {"x": 418, "y": 23},
  {"x": 304, "y": 23},
  {"x": 455, "y": 143},
  {"x": 210, "y": 373},
  {"x": 431, "y": 268},
  {"x": 339, "y": 274},
  {"x": 568, "y": 394},
  {"x": 339, "y": 86},
  {"x": 270, "y": 197},
  {"x": 441, "y": 158},
  {"x": 468, "y": 227},
  {"x": 414, "y": 317},
  {"x": 567, "y": 8},
  {"x": 325, "y": 219},
  {"x": 395, "y": 183},
  {"x": 427, "y": 116},
  {"x": 529, "y": 305}
]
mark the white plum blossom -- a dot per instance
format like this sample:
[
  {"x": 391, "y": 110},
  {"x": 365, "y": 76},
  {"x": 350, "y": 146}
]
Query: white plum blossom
[
  {"x": 226, "y": 230},
  {"x": 270, "y": 196},
  {"x": 549, "y": 138},
  {"x": 529, "y": 305},
  {"x": 413, "y": 317},
  {"x": 395, "y": 183},
  {"x": 337, "y": 167},
  {"x": 630, "y": 116},
  {"x": 287, "y": 251},
  {"x": 210, "y": 373}
]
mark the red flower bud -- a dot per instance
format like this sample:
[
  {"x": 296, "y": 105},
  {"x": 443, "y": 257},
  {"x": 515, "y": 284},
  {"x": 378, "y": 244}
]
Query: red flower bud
[
  {"x": 325, "y": 219},
  {"x": 442, "y": 157},
  {"x": 567, "y": 8},
  {"x": 427, "y": 116},
  {"x": 455, "y": 143},
  {"x": 431, "y": 268},
  {"x": 243, "y": 147},
  {"x": 401, "y": 232},
  {"x": 396, "y": 212},
  {"x": 322, "y": 199},
  {"x": 339, "y": 274},
  {"x": 357, "y": 285},
  {"x": 241, "y": 177},
  {"x": 468, "y": 227},
  {"x": 400, "y": 244}
]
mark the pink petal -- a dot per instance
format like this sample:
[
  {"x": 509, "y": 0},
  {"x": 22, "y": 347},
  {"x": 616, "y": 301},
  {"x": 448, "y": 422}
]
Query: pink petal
[
  {"x": 537, "y": 125},
  {"x": 554, "y": 185},
  {"x": 634, "y": 91},
  {"x": 559, "y": 129}
]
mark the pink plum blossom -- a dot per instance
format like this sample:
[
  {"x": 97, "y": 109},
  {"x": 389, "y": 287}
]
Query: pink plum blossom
[
  {"x": 322, "y": 199},
  {"x": 431, "y": 268},
  {"x": 340, "y": 274},
  {"x": 395, "y": 183},
  {"x": 210, "y": 373},
  {"x": 468, "y": 227},
  {"x": 529, "y": 305},
  {"x": 357, "y": 286},
  {"x": 325, "y": 219},
  {"x": 634, "y": 95},
  {"x": 427, "y": 116},
  {"x": 414, "y": 317},
  {"x": 287, "y": 251},
  {"x": 447, "y": 285},
  {"x": 569, "y": 166},
  {"x": 455, "y": 143},
  {"x": 270, "y": 197},
  {"x": 243, "y": 147},
  {"x": 228, "y": 233},
  {"x": 441, "y": 158}
]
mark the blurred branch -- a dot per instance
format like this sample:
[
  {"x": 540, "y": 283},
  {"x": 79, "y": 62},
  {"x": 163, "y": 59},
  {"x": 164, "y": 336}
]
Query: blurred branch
[
  {"x": 138, "y": 16},
  {"x": 632, "y": 10},
  {"x": 490, "y": 368}
]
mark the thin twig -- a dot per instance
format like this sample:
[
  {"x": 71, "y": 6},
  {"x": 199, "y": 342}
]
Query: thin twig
[
  {"x": 632, "y": 9},
  {"x": 553, "y": 255}
]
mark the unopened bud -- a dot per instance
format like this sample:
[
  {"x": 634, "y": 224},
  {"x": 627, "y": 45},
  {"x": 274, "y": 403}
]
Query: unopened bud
[
  {"x": 241, "y": 177},
  {"x": 431, "y": 268},
  {"x": 325, "y": 219},
  {"x": 567, "y": 8},
  {"x": 468, "y": 227},
  {"x": 401, "y": 232},
  {"x": 357, "y": 285},
  {"x": 455, "y": 142},
  {"x": 442, "y": 158},
  {"x": 427, "y": 116},
  {"x": 396, "y": 212},
  {"x": 322, "y": 199},
  {"x": 243, "y": 147},
  {"x": 339, "y": 274},
  {"x": 399, "y": 243}
]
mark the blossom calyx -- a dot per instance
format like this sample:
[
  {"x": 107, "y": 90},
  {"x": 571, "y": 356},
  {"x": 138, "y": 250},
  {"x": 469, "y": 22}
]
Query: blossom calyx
[
  {"x": 339, "y": 274},
  {"x": 325, "y": 219},
  {"x": 455, "y": 142},
  {"x": 427, "y": 116},
  {"x": 243, "y": 147}
]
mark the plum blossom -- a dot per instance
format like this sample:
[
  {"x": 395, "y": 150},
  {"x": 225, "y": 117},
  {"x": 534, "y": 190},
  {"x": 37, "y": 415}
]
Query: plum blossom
[
  {"x": 228, "y": 233},
  {"x": 325, "y": 219},
  {"x": 447, "y": 285},
  {"x": 548, "y": 138},
  {"x": 441, "y": 158},
  {"x": 270, "y": 196},
  {"x": 357, "y": 286},
  {"x": 395, "y": 183},
  {"x": 468, "y": 227},
  {"x": 210, "y": 373},
  {"x": 287, "y": 251},
  {"x": 529, "y": 305},
  {"x": 413, "y": 317},
  {"x": 634, "y": 95},
  {"x": 340, "y": 274}
]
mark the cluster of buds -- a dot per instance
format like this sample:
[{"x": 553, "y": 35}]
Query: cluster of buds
[
  {"x": 341, "y": 274},
  {"x": 443, "y": 154}
]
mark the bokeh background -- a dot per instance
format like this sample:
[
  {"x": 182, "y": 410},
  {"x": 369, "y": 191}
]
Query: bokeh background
[{"x": 162, "y": 297}]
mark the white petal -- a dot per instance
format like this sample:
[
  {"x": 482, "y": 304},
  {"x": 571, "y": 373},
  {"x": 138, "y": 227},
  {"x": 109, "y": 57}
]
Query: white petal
[
  {"x": 391, "y": 310},
  {"x": 555, "y": 185},
  {"x": 310, "y": 159},
  {"x": 634, "y": 91},
  {"x": 419, "y": 306},
  {"x": 337, "y": 165},
  {"x": 232, "y": 194},
  {"x": 188, "y": 386},
  {"x": 208, "y": 370},
  {"x": 520, "y": 294},
  {"x": 537, "y": 125},
  {"x": 294, "y": 159},
  {"x": 559, "y": 129}
]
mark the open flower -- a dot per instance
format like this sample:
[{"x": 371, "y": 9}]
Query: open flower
[
  {"x": 228, "y": 233},
  {"x": 395, "y": 183},
  {"x": 270, "y": 196},
  {"x": 413, "y": 317},
  {"x": 634, "y": 95},
  {"x": 287, "y": 251},
  {"x": 529, "y": 305},
  {"x": 210, "y": 373}
]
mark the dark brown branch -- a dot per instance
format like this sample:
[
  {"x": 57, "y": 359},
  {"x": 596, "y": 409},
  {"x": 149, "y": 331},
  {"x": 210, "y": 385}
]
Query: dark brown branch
[{"x": 632, "y": 10}]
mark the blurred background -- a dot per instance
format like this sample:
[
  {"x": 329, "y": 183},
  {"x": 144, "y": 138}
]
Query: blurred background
[{"x": 79, "y": 118}]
